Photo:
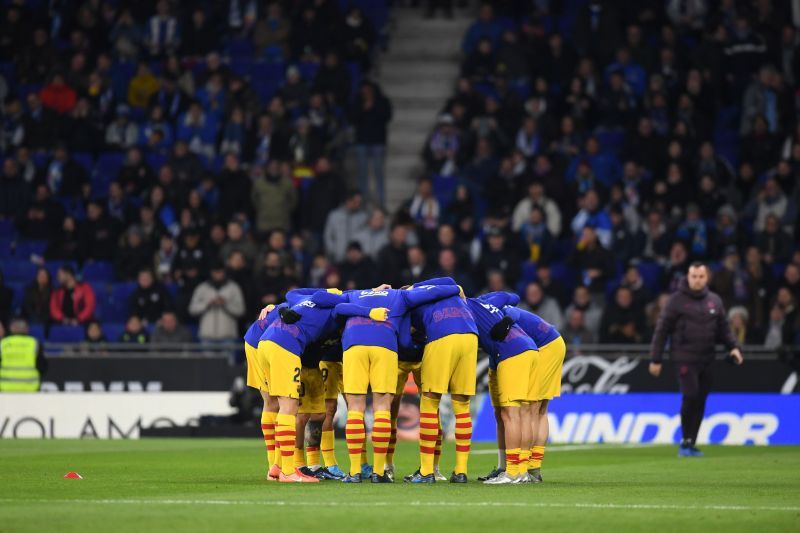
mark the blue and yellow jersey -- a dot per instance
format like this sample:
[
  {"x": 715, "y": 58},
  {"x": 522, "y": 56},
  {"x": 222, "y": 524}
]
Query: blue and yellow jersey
[
  {"x": 256, "y": 329},
  {"x": 487, "y": 314},
  {"x": 317, "y": 320},
  {"x": 538, "y": 329},
  {"x": 444, "y": 317},
  {"x": 363, "y": 331}
]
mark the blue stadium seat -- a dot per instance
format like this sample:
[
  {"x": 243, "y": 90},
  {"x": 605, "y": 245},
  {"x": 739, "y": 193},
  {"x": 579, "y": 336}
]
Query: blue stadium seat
[
  {"x": 108, "y": 166},
  {"x": 118, "y": 302},
  {"x": 113, "y": 330},
  {"x": 155, "y": 160},
  {"x": 53, "y": 266},
  {"x": 36, "y": 331},
  {"x": 651, "y": 273},
  {"x": 444, "y": 188},
  {"x": 98, "y": 271},
  {"x": 5, "y": 246},
  {"x": 25, "y": 249},
  {"x": 18, "y": 270},
  {"x": 240, "y": 48},
  {"x": 6, "y": 228},
  {"x": 611, "y": 140},
  {"x": 18, "y": 288},
  {"x": 60, "y": 333},
  {"x": 84, "y": 159}
]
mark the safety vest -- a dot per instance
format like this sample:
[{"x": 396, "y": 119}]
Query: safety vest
[{"x": 18, "y": 371}]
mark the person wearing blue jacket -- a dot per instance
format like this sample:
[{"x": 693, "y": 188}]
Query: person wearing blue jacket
[
  {"x": 370, "y": 360},
  {"x": 448, "y": 365},
  {"x": 308, "y": 318},
  {"x": 513, "y": 357},
  {"x": 258, "y": 378},
  {"x": 547, "y": 386}
]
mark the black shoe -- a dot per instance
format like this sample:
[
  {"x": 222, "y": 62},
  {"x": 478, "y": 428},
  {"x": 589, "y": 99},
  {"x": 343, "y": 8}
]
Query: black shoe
[
  {"x": 419, "y": 478},
  {"x": 458, "y": 478},
  {"x": 407, "y": 479},
  {"x": 536, "y": 475},
  {"x": 491, "y": 475},
  {"x": 306, "y": 471},
  {"x": 377, "y": 478}
]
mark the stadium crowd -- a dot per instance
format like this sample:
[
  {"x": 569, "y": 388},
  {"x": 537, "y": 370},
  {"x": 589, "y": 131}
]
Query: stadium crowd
[{"x": 180, "y": 165}]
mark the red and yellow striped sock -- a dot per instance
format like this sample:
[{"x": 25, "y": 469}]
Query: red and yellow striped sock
[
  {"x": 524, "y": 459},
  {"x": 537, "y": 455},
  {"x": 312, "y": 456},
  {"x": 356, "y": 438},
  {"x": 463, "y": 435},
  {"x": 392, "y": 443},
  {"x": 428, "y": 433},
  {"x": 381, "y": 435},
  {"x": 299, "y": 458},
  {"x": 284, "y": 437},
  {"x": 268, "y": 430},
  {"x": 327, "y": 447},
  {"x": 512, "y": 462},
  {"x": 437, "y": 451}
]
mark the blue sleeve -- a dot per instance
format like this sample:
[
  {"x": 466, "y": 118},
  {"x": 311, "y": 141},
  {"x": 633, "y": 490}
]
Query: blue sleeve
[
  {"x": 500, "y": 299},
  {"x": 273, "y": 315},
  {"x": 437, "y": 281},
  {"x": 346, "y": 309},
  {"x": 326, "y": 300},
  {"x": 428, "y": 293},
  {"x": 294, "y": 296},
  {"x": 512, "y": 312}
]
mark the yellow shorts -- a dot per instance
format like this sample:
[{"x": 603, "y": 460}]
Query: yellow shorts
[
  {"x": 312, "y": 391},
  {"x": 257, "y": 369},
  {"x": 404, "y": 368},
  {"x": 510, "y": 384},
  {"x": 331, "y": 378},
  {"x": 366, "y": 366},
  {"x": 284, "y": 370},
  {"x": 548, "y": 372},
  {"x": 448, "y": 365}
]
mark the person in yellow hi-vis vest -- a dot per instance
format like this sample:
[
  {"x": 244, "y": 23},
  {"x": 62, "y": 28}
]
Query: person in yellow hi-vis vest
[{"x": 22, "y": 360}]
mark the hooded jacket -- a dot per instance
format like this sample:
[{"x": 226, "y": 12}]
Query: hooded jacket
[{"x": 694, "y": 322}]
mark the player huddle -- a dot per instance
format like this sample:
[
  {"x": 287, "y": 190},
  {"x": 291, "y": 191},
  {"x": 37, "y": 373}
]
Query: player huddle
[{"x": 304, "y": 352}]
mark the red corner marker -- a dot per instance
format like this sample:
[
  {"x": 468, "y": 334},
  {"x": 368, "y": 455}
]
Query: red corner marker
[{"x": 72, "y": 475}]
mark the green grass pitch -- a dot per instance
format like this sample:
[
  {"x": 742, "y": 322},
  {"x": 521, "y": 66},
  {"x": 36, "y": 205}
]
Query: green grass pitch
[{"x": 218, "y": 485}]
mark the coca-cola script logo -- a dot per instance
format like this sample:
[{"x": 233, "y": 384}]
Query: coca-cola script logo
[{"x": 594, "y": 374}]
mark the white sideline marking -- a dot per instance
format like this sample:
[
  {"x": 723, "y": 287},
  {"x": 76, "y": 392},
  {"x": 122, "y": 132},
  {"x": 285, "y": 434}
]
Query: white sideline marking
[
  {"x": 350, "y": 503},
  {"x": 575, "y": 448}
]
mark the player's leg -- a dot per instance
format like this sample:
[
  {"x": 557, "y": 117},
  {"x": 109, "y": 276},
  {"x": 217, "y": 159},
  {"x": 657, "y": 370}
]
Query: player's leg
[
  {"x": 688, "y": 381},
  {"x": 257, "y": 378},
  {"x": 312, "y": 407},
  {"x": 355, "y": 370},
  {"x": 313, "y": 441},
  {"x": 299, "y": 439},
  {"x": 511, "y": 416},
  {"x": 526, "y": 438},
  {"x": 462, "y": 388},
  {"x": 494, "y": 396},
  {"x": 268, "y": 415},
  {"x": 540, "y": 435},
  {"x": 703, "y": 389},
  {"x": 332, "y": 380},
  {"x": 403, "y": 370},
  {"x": 383, "y": 381}
]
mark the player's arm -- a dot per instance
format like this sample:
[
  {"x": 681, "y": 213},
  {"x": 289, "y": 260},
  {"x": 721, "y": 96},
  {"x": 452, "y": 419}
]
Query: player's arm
[
  {"x": 501, "y": 329},
  {"x": 664, "y": 328},
  {"x": 423, "y": 294},
  {"x": 295, "y": 295},
  {"x": 501, "y": 299},
  {"x": 328, "y": 298},
  {"x": 437, "y": 281}
]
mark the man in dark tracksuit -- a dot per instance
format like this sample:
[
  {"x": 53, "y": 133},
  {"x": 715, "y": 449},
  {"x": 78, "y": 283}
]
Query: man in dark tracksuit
[{"x": 694, "y": 320}]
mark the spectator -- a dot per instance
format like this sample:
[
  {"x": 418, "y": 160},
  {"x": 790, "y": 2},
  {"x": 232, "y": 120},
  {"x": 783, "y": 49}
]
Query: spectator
[
  {"x": 73, "y": 302},
  {"x": 448, "y": 267},
  {"x": 575, "y": 332},
  {"x": 162, "y": 34},
  {"x": 94, "y": 333},
  {"x": 594, "y": 263},
  {"x": 497, "y": 254},
  {"x": 418, "y": 268},
  {"x": 272, "y": 283},
  {"x": 424, "y": 208},
  {"x": 370, "y": 115},
  {"x": 134, "y": 331},
  {"x": 14, "y": 192},
  {"x": 358, "y": 270},
  {"x": 98, "y": 235},
  {"x": 375, "y": 235},
  {"x": 622, "y": 322},
  {"x": 64, "y": 176},
  {"x": 142, "y": 87},
  {"x": 150, "y": 299},
  {"x": 343, "y": 225},
  {"x": 6, "y": 301},
  {"x": 58, "y": 96},
  {"x": 487, "y": 26},
  {"x": 591, "y": 215},
  {"x": 537, "y": 198},
  {"x": 739, "y": 319},
  {"x": 218, "y": 302},
  {"x": 170, "y": 331},
  {"x": 237, "y": 241},
  {"x": 773, "y": 242},
  {"x": 393, "y": 258},
  {"x": 122, "y": 133},
  {"x": 536, "y": 301},
  {"x": 36, "y": 300},
  {"x": 592, "y": 311},
  {"x": 274, "y": 198},
  {"x": 271, "y": 34}
]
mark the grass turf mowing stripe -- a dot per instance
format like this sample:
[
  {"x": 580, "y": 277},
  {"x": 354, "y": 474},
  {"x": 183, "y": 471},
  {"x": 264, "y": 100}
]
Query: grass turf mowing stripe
[{"x": 280, "y": 503}]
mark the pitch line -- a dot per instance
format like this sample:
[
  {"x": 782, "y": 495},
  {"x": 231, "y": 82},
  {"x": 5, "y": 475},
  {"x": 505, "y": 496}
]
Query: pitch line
[
  {"x": 350, "y": 503},
  {"x": 577, "y": 448}
]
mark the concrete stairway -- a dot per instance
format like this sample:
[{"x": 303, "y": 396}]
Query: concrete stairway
[{"x": 418, "y": 73}]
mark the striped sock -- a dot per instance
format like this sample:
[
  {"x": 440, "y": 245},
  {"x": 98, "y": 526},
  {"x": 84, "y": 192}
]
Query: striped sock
[
  {"x": 512, "y": 462},
  {"x": 356, "y": 437},
  {"x": 364, "y": 460},
  {"x": 524, "y": 459},
  {"x": 327, "y": 447},
  {"x": 268, "y": 430},
  {"x": 284, "y": 437},
  {"x": 299, "y": 458},
  {"x": 312, "y": 456},
  {"x": 381, "y": 434},
  {"x": 463, "y": 435},
  {"x": 392, "y": 443},
  {"x": 537, "y": 455},
  {"x": 437, "y": 451},
  {"x": 428, "y": 433}
]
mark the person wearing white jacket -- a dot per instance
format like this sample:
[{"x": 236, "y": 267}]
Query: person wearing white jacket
[
  {"x": 536, "y": 197},
  {"x": 219, "y": 303}
]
